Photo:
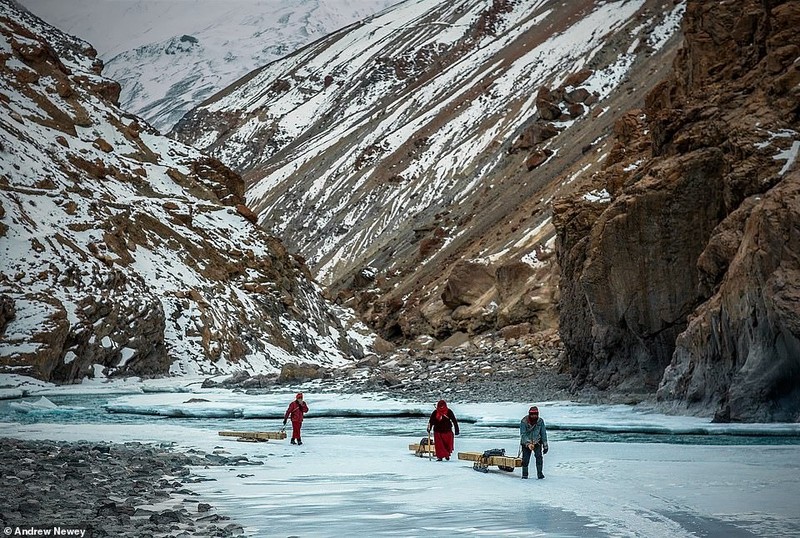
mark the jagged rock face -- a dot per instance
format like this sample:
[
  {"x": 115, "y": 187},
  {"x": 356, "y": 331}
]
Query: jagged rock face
[
  {"x": 684, "y": 278},
  {"x": 638, "y": 272},
  {"x": 741, "y": 350},
  {"x": 430, "y": 139},
  {"x": 123, "y": 252}
]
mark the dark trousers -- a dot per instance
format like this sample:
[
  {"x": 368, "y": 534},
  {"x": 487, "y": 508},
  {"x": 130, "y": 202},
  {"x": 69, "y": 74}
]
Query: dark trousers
[{"x": 526, "y": 458}]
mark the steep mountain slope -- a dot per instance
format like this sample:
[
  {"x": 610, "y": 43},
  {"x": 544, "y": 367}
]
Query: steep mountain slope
[
  {"x": 686, "y": 277},
  {"x": 124, "y": 252},
  {"x": 411, "y": 158},
  {"x": 169, "y": 56}
]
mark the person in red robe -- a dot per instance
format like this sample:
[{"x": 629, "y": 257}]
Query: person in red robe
[
  {"x": 296, "y": 411},
  {"x": 443, "y": 422}
]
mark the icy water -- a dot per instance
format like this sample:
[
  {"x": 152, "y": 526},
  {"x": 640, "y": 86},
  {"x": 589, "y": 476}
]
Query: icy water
[{"x": 90, "y": 409}]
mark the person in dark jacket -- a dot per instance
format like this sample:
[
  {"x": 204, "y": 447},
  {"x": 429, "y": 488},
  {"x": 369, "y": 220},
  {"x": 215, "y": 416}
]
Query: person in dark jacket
[
  {"x": 296, "y": 411},
  {"x": 442, "y": 422},
  {"x": 533, "y": 438}
]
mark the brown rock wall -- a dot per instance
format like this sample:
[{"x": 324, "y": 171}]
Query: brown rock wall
[
  {"x": 640, "y": 294},
  {"x": 741, "y": 350},
  {"x": 688, "y": 278}
]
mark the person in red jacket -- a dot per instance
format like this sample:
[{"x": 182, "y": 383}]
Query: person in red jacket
[
  {"x": 443, "y": 421},
  {"x": 296, "y": 410}
]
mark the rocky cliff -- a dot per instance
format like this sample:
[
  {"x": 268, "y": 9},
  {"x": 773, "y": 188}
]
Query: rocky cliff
[
  {"x": 684, "y": 278},
  {"x": 123, "y": 252}
]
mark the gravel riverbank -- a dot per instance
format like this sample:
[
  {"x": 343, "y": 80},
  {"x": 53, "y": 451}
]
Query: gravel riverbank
[
  {"x": 126, "y": 490},
  {"x": 488, "y": 369}
]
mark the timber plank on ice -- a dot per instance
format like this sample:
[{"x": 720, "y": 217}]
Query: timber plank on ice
[
  {"x": 421, "y": 450},
  {"x": 255, "y": 436},
  {"x": 504, "y": 462}
]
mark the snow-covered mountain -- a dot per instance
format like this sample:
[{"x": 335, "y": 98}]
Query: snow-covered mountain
[
  {"x": 124, "y": 252},
  {"x": 413, "y": 155},
  {"x": 170, "y": 56}
]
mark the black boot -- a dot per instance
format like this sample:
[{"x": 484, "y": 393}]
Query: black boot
[
  {"x": 300, "y": 442},
  {"x": 293, "y": 441},
  {"x": 539, "y": 474},
  {"x": 524, "y": 472}
]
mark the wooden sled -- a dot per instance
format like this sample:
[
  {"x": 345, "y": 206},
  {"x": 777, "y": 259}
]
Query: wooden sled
[
  {"x": 482, "y": 463},
  {"x": 255, "y": 437},
  {"x": 422, "y": 450}
]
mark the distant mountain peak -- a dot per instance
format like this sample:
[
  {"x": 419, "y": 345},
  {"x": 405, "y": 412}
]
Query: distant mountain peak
[{"x": 139, "y": 41}]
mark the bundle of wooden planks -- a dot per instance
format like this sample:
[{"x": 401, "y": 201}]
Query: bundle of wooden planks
[
  {"x": 255, "y": 437},
  {"x": 482, "y": 463},
  {"x": 421, "y": 450}
]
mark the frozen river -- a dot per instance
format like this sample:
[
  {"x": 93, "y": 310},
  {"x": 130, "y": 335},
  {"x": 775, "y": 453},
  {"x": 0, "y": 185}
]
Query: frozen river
[{"x": 611, "y": 470}]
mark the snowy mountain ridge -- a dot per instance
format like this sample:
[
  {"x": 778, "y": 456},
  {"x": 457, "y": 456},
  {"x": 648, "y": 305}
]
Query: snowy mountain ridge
[
  {"x": 123, "y": 252},
  {"x": 170, "y": 56}
]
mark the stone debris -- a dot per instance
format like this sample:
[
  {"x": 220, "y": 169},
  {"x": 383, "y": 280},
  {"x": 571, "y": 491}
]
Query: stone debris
[
  {"x": 110, "y": 490},
  {"x": 528, "y": 367}
]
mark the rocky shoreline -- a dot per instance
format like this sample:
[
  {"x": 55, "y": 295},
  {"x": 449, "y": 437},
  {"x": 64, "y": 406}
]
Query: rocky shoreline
[
  {"x": 130, "y": 490},
  {"x": 531, "y": 368}
]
